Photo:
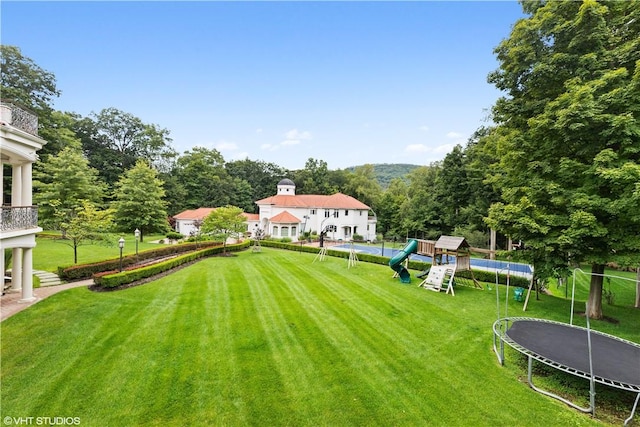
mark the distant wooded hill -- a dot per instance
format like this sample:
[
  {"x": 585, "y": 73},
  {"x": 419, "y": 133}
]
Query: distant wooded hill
[{"x": 385, "y": 172}]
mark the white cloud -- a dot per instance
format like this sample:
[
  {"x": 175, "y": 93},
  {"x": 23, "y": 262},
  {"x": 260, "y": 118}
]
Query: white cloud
[
  {"x": 290, "y": 142},
  {"x": 259, "y": 131},
  {"x": 444, "y": 148},
  {"x": 424, "y": 128},
  {"x": 269, "y": 147},
  {"x": 226, "y": 146},
  {"x": 416, "y": 148},
  {"x": 454, "y": 135},
  {"x": 296, "y": 134}
]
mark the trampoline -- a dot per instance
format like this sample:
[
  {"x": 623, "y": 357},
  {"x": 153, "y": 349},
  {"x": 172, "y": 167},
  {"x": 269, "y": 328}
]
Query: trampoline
[{"x": 583, "y": 352}]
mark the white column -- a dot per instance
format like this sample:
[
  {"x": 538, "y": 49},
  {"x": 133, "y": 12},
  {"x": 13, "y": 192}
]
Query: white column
[
  {"x": 27, "y": 197},
  {"x": 16, "y": 186},
  {"x": 27, "y": 275},
  {"x": 2, "y": 266},
  {"x": 16, "y": 270},
  {"x": 2, "y": 182}
]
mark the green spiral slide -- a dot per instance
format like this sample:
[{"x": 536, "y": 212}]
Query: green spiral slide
[{"x": 396, "y": 262}]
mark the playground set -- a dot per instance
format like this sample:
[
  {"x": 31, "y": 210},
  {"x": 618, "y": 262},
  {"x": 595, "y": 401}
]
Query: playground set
[{"x": 449, "y": 255}]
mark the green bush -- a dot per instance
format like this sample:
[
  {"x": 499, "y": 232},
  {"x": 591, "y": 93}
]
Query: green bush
[
  {"x": 86, "y": 271},
  {"x": 173, "y": 235},
  {"x": 112, "y": 280}
]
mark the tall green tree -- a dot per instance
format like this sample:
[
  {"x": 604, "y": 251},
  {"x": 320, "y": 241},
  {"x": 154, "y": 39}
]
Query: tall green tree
[
  {"x": 263, "y": 177},
  {"x": 203, "y": 179},
  {"x": 388, "y": 209},
  {"x": 421, "y": 213},
  {"x": 223, "y": 223},
  {"x": 480, "y": 156},
  {"x": 114, "y": 141},
  {"x": 362, "y": 185},
  {"x": 452, "y": 189},
  {"x": 25, "y": 83},
  {"x": 139, "y": 201},
  {"x": 569, "y": 136},
  {"x": 63, "y": 183},
  {"x": 314, "y": 178}
]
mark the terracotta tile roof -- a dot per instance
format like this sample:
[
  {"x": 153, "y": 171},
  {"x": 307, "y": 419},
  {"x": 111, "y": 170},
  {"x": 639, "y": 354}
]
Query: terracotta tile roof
[
  {"x": 335, "y": 201},
  {"x": 285, "y": 217},
  {"x": 200, "y": 213}
]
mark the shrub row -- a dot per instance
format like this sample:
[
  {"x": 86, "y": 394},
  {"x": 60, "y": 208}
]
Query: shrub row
[
  {"x": 129, "y": 276},
  {"x": 86, "y": 271},
  {"x": 480, "y": 275}
]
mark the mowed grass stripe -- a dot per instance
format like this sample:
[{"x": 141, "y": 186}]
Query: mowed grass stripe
[
  {"x": 280, "y": 315},
  {"x": 377, "y": 361},
  {"x": 403, "y": 346},
  {"x": 353, "y": 396}
]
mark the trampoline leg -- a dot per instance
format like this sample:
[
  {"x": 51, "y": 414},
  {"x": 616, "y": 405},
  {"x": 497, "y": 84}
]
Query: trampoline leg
[
  {"x": 633, "y": 411},
  {"x": 555, "y": 396}
]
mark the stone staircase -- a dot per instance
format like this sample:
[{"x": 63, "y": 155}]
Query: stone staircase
[{"x": 47, "y": 278}]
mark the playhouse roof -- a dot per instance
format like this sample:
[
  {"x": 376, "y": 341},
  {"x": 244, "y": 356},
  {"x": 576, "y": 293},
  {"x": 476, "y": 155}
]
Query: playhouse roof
[{"x": 451, "y": 243}]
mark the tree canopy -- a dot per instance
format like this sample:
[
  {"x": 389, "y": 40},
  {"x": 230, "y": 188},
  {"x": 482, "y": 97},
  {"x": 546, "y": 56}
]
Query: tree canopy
[
  {"x": 224, "y": 222},
  {"x": 568, "y": 135}
]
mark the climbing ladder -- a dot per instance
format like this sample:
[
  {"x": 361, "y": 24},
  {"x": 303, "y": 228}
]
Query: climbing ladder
[{"x": 438, "y": 275}]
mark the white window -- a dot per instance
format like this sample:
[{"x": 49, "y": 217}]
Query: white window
[
  {"x": 312, "y": 212},
  {"x": 275, "y": 230},
  {"x": 326, "y": 213},
  {"x": 294, "y": 231},
  {"x": 284, "y": 231},
  {"x": 346, "y": 212}
]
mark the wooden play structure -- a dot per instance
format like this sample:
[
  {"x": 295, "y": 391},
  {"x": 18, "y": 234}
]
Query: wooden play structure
[{"x": 449, "y": 255}]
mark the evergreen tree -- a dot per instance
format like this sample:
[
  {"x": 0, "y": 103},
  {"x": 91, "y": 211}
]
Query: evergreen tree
[
  {"x": 139, "y": 201},
  {"x": 62, "y": 184}
]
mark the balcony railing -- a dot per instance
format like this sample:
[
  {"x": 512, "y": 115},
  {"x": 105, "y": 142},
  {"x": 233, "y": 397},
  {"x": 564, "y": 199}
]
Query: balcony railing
[
  {"x": 19, "y": 117},
  {"x": 18, "y": 218}
]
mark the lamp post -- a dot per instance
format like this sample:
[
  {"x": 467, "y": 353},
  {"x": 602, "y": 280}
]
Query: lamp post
[
  {"x": 121, "y": 245},
  {"x": 137, "y": 234}
]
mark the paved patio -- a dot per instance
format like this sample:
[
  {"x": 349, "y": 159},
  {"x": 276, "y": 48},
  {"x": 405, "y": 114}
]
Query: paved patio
[{"x": 10, "y": 305}]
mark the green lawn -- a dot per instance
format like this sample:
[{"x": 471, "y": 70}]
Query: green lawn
[
  {"x": 273, "y": 338},
  {"x": 49, "y": 253}
]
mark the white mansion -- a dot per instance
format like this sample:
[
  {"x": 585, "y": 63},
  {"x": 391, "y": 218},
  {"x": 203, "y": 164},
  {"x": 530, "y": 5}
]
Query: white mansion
[{"x": 289, "y": 215}]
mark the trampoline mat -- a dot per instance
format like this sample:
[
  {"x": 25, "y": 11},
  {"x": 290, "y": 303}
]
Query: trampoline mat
[{"x": 613, "y": 359}]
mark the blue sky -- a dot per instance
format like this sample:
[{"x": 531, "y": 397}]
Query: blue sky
[{"x": 345, "y": 82}]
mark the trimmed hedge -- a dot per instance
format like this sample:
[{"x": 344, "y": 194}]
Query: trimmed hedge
[
  {"x": 125, "y": 277},
  {"x": 86, "y": 271},
  {"x": 480, "y": 275}
]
